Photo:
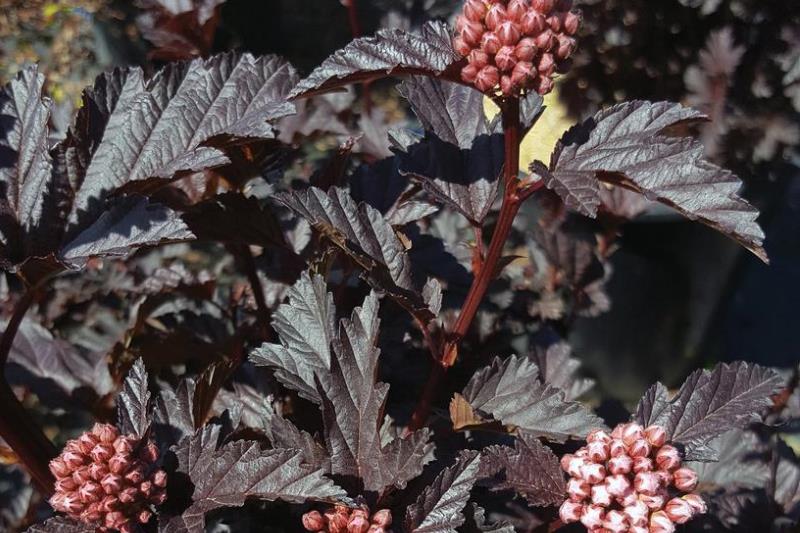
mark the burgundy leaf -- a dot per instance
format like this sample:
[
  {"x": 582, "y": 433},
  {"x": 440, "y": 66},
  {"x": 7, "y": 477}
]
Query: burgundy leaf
[
  {"x": 365, "y": 236},
  {"x": 390, "y": 52},
  {"x": 439, "y": 508},
  {"x": 509, "y": 390},
  {"x": 634, "y": 145},
  {"x": 61, "y": 524},
  {"x": 234, "y": 218},
  {"x": 708, "y": 404},
  {"x": 476, "y": 522},
  {"x": 283, "y": 434},
  {"x": 787, "y": 481},
  {"x": 133, "y": 403},
  {"x": 530, "y": 469},
  {"x": 173, "y": 417},
  {"x": 740, "y": 462},
  {"x": 558, "y": 368}
]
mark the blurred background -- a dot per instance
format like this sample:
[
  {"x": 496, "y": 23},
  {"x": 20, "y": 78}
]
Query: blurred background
[{"x": 681, "y": 295}]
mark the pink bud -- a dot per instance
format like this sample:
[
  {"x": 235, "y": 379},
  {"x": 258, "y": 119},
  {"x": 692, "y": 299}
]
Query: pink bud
[
  {"x": 595, "y": 435},
  {"x": 630, "y": 497},
  {"x": 150, "y": 453},
  {"x": 66, "y": 484},
  {"x": 146, "y": 488},
  {"x": 621, "y": 464},
  {"x": 668, "y": 457},
  {"x": 697, "y": 503},
  {"x": 118, "y": 464},
  {"x": 382, "y": 518},
  {"x": 533, "y": 23},
  {"x": 337, "y": 522},
  {"x": 679, "y": 510},
  {"x": 639, "y": 448},
  {"x": 90, "y": 492},
  {"x": 490, "y": 43},
  {"x": 618, "y": 484},
  {"x": 81, "y": 475},
  {"x": 508, "y": 32},
  {"x": 616, "y": 522},
  {"x": 496, "y": 16},
  {"x": 73, "y": 460},
  {"x": 665, "y": 477},
  {"x": 631, "y": 432},
  {"x": 638, "y": 529},
  {"x": 461, "y": 46},
  {"x": 158, "y": 498},
  {"x": 571, "y": 23},
  {"x": 475, "y": 10},
  {"x": 617, "y": 448},
  {"x": 637, "y": 513},
  {"x": 92, "y": 513},
  {"x": 105, "y": 432},
  {"x": 487, "y": 79},
  {"x": 578, "y": 489},
  {"x": 592, "y": 517},
  {"x": 114, "y": 520},
  {"x": 123, "y": 445},
  {"x": 661, "y": 523},
  {"x": 566, "y": 45},
  {"x": 160, "y": 479},
  {"x": 598, "y": 451},
  {"x": 507, "y": 85},
  {"x": 600, "y": 495},
  {"x": 358, "y": 524},
  {"x": 57, "y": 501},
  {"x": 101, "y": 453},
  {"x": 129, "y": 495},
  {"x": 136, "y": 474},
  {"x": 655, "y": 435},
  {"x": 516, "y": 9},
  {"x": 478, "y": 58},
  {"x": 523, "y": 72},
  {"x": 593, "y": 473},
  {"x": 654, "y": 502},
  {"x": 582, "y": 453},
  {"x": 109, "y": 504},
  {"x": 526, "y": 51},
  {"x": 647, "y": 483},
  {"x": 543, "y": 6},
  {"x": 376, "y": 529},
  {"x": 59, "y": 468},
  {"x": 469, "y": 73},
  {"x": 472, "y": 33},
  {"x": 87, "y": 441},
  {"x": 685, "y": 479},
  {"x": 98, "y": 471},
  {"x": 554, "y": 22},
  {"x": 505, "y": 59},
  {"x": 111, "y": 484},
  {"x": 144, "y": 517},
  {"x": 642, "y": 464},
  {"x": 565, "y": 460},
  {"x": 314, "y": 521},
  {"x": 570, "y": 512},
  {"x": 574, "y": 465},
  {"x": 543, "y": 85},
  {"x": 71, "y": 504}
]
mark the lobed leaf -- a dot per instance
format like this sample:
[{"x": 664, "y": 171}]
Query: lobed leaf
[
  {"x": 708, "y": 404},
  {"x": 439, "y": 508},
  {"x": 558, "y": 368},
  {"x": 509, "y": 390},
  {"x": 391, "y": 52},
  {"x": 61, "y": 524},
  {"x": 637, "y": 145},
  {"x": 133, "y": 403}
]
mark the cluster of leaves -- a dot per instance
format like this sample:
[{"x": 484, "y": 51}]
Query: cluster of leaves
[{"x": 270, "y": 318}]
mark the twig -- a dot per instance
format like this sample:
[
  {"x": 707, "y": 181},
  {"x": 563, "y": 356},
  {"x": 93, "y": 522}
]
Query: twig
[
  {"x": 22, "y": 306},
  {"x": 245, "y": 256}
]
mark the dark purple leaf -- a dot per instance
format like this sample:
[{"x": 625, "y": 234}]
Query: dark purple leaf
[
  {"x": 787, "y": 481},
  {"x": 173, "y": 417},
  {"x": 530, "y": 469},
  {"x": 439, "y": 508},
  {"x": 239, "y": 470},
  {"x": 234, "y": 218},
  {"x": 133, "y": 403},
  {"x": 476, "y": 522},
  {"x": 389, "y": 52},
  {"x": 510, "y": 391},
  {"x": 741, "y": 462},
  {"x": 571, "y": 248},
  {"x": 634, "y": 145},
  {"x": 365, "y": 236},
  {"x": 61, "y": 524},
  {"x": 306, "y": 326},
  {"x": 558, "y": 368},
  {"x": 283, "y": 434},
  {"x": 708, "y": 404}
]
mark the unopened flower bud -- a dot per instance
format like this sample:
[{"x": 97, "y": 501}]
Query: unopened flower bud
[
  {"x": 679, "y": 510},
  {"x": 566, "y": 45},
  {"x": 525, "y": 50},
  {"x": 570, "y": 512},
  {"x": 92, "y": 513},
  {"x": 639, "y": 448},
  {"x": 66, "y": 484},
  {"x": 598, "y": 435},
  {"x": 592, "y": 517},
  {"x": 314, "y": 521},
  {"x": 496, "y": 16},
  {"x": 382, "y": 518},
  {"x": 655, "y": 435},
  {"x": 665, "y": 477},
  {"x": 543, "y": 6},
  {"x": 630, "y": 497},
  {"x": 106, "y": 433},
  {"x": 98, "y": 471},
  {"x": 150, "y": 453},
  {"x": 573, "y": 465},
  {"x": 647, "y": 483},
  {"x": 487, "y": 79},
  {"x": 533, "y": 23},
  {"x": 81, "y": 475},
  {"x": 668, "y": 457},
  {"x": 616, "y": 522},
  {"x": 600, "y": 495},
  {"x": 508, "y": 32},
  {"x": 129, "y": 495},
  {"x": 472, "y": 33},
  {"x": 571, "y": 23},
  {"x": 119, "y": 464},
  {"x": 144, "y": 516},
  {"x": 505, "y": 59},
  {"x": 516, "y": 9},
  {"x": 90, "y": 492},
  {"x": 111, "y": 484},
  {"x": 554, "y": 22},
  {"x": 654, "y": 502},
  {"x": 637, "y": 513},
  {"x": 598, "y": 451},
  {"x": 59, "y": 468},
  {"x": 621, "y": 464},
  {"x": 642, "y": 464},
  {"x": 337, "y": 522},
  {"x": 685, "y": 479},
  {"x": 507, "y": 86},
  {"x": 617, "y": 485},
  {"x": 661, "y": 523},
  {"x": 490, "y": 43},
  {"x": 478, "y": 58},
  {"x": 697, "y": 503},
  {"x": 160, "y": 479},
  {"x": 469, "y": 73},
  {"x": 544, "y": 40},
  {"x": 136, "y": 474},
  {"x": 87, "y": 441},
  {"x": 124, "y": 445},
  {"x": 146, "y": 488},
  {"x": 617, "y": 448},
  {"x": 101, "y": 453},
  {"x": 475, "y": 10},
  {"x": 461, "y": 46},
  {"x": 73, "y": 460},
  {"x": 578, "y": 489},
  {"x": 72, "y": 504},
  {"x": 631, "y": 433},
  {"x": 593, "y": 473},
  {"x": 357, "y": 524},
  {"x": 523, "y": 72}
]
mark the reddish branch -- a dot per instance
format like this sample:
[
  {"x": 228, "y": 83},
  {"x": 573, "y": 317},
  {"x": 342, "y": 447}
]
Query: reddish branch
[
  {"x": 17, "y": 428},
  {"x": 513, "y": 197},
  {"x": 248, "y": 263}
]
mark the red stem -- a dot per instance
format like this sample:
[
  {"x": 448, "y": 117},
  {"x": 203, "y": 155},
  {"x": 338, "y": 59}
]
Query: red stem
[
  {"x": 17, "y": 428},
  {"x": 513, "y": 197},
  {"x": 250, "y": 269}
]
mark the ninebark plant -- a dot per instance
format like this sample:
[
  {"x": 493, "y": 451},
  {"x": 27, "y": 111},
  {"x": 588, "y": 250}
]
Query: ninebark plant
[{"x": 355, "y": 280}]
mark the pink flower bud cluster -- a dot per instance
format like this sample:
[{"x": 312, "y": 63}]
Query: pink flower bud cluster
[
  {"x": 343, "y": 519},
  {"x": 515, "y": 45},
  {"x": 108, "y": 480},
  {"x": 629, "y": 481}
]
